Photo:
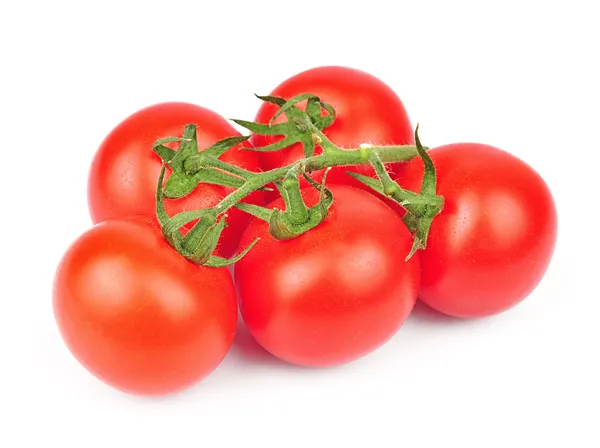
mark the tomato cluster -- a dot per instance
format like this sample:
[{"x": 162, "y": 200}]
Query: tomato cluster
[{"x": 145, "y": 319}]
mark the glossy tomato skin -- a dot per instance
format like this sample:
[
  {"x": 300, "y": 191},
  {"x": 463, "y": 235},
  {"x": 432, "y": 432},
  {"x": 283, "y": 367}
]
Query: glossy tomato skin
[
  {"x": 493, "y": 242},
  {"x": 335, "y": 293},
  {"x": 368, "y": 112},
  {"x": 139, "y": 316},
  {"x": 124, "y": 173}
]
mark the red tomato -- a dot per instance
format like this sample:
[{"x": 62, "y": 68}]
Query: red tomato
[
  {"x": 368, "y": 112},
  {"x": 137, "y": 314},
  {"x": 493, "y": 241},
  {"x": 125, "y": 170},
  {"x": 335, "y": 293}
]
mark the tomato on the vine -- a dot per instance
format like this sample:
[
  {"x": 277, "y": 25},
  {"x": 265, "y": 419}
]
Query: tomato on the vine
[
  {"x": 334, "y": 293},
  {"x": 493, "y": 241},
  {"x": 124, "y": 173},
  {"x": 138, "y": 315},
  {"x": 368, "y": 111}
]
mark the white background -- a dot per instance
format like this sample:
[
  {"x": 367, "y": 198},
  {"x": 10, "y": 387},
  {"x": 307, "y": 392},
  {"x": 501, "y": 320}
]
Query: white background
[{"x": 519, "y": 75}]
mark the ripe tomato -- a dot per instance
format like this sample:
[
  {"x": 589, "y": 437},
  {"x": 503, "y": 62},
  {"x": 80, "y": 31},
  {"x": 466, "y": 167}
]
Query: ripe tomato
[
  {"x": 124, "y": 173},
  {"x": 493, "y": 241},
  {"x": 137, "y": 314},
  {"x": 336, "y": 292},
  {"x": 368, "y": 112}
]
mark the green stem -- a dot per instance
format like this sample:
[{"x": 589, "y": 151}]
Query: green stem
[
  {"x": 230, "y": 168},
  {"x": 320, "y": 139},
  {"x": 359, "y": 156},
  {"x": 297, "y": 210},
  {"x": 198, "y": 162},
  {"x": 391, "y": 189},
  {"x": 389, "y": 186},
  {"x": 255, "y": 210},
  {"x": 190, "y": 168}
]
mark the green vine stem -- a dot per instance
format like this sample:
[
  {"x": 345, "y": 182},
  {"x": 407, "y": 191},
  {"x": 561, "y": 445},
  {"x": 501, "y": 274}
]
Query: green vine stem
[{"x": 191, "y": 167}]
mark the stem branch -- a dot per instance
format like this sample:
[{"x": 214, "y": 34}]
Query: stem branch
[
  {"x": 358, "y": 156},
  {"x": 190, "y": 168}
]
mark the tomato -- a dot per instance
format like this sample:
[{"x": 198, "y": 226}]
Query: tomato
[
  {"x": 493, "y": 241},
  {"x": 125, "y": 170},
  {"x": 368, "y": 111},
  {"x": 138, "y": 315},
  {"x": 336, "y": 292}
]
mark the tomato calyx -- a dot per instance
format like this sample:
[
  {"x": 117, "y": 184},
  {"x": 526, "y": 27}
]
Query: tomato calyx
[
  {"x": 200, "y": 242},
  {"x": 421, "y": 208},
  {"x": 191, "y": 167},
  {"x": 296, "y": 218},
  {"x": 302, "y": 126}
]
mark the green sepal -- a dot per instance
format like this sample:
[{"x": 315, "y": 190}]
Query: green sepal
[
  {"x": 187, "y": 148},
  {"x": 420, "y": 233},
  {"x": 201, "y": 241},
  {"x": 260, "y": 128},
  {"x": 224, "y": 145},
  {"x": 287, "y": 106},
  {"x": 255, "y": 210},
  {"x": 181, "y": 184},
  {"x": 178, "y": 184},
  {"x": 313, "y": 109},
  {"x": 299, "y": 127},
  {"x": 165, "y": 153},
  {"x": 427, "y": 213},
  {"x": 314, "y": 105},
  {"x": 374, "y": 184},
  {"x": 282, "y": 227},
  {"x": 161, "y": 213},
  {"x": 405, "y": 198},
  {"x": 325, "y": 197},
  {"x": 296, "y": 210},
  {"x": 428, "y": 185},
  {"x": 220, "y": 262},
  {"x": 420, "y": 208},
  {"x": 181, "y": 181},
  {"x": 271, "y": 99},
  {"x": 181, "y": 219}
]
